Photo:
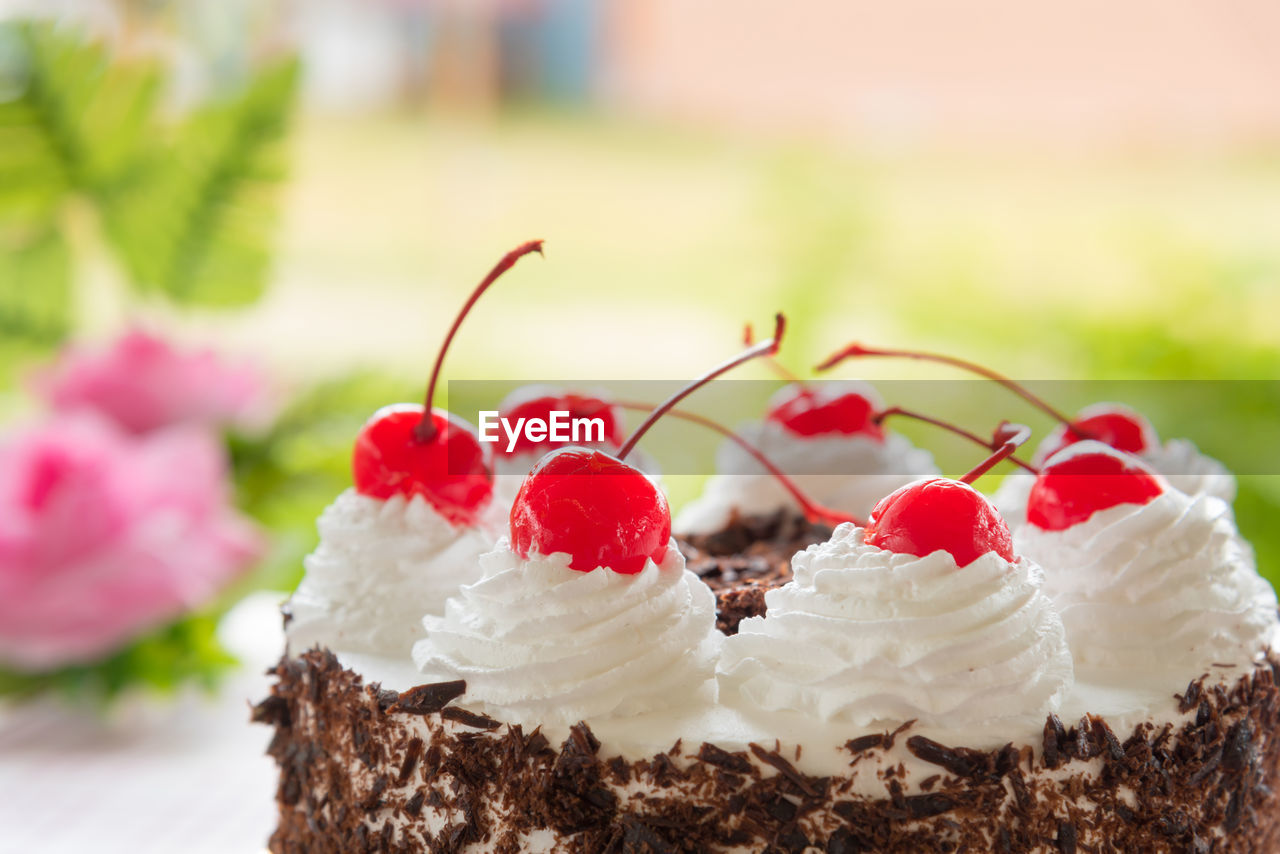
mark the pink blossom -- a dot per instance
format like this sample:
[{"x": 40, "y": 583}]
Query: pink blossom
[
  {"x": 142, "y": 382},
  {"x": 104, "y": 536}
]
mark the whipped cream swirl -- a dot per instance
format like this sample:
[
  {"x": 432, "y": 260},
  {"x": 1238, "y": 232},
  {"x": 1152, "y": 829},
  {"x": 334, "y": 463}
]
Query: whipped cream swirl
[
  {"x": 1150, "y": 593},
  {"x": 540, "y": 643},
  {"x": 844, "y": 472},
  {"x": 865, "y": 636},
  {"x": 1190, "y": 471},
  {"x": 380, "y": 565}
]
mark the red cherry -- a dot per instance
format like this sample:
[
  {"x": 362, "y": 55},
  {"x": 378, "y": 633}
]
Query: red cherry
[
  {"x": 923, "y": 517},
  {"x": 1110, "y": 423},
  {"x": 404, "y": 450},
  {"x": 598, "y": 509},
  {"x": 450, "y": 471},
  {"x": 816, "y": 410},
  {"x": 1085, "y": 478},
  {"x": 595, "y": 507},
  {"x": 518, "y": 405}
]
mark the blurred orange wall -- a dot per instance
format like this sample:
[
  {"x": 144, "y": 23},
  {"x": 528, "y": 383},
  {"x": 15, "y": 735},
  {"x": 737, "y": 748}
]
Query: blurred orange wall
[{"x": 1083, "y": 72}]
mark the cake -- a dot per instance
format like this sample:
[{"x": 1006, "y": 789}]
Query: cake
[
  {"x": 1099, "y": 678},
  {"x": 600, "y": 711}
]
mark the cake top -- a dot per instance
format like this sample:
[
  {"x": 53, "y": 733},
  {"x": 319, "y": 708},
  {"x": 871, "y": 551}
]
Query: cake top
[{"x": 929, "y": 606}]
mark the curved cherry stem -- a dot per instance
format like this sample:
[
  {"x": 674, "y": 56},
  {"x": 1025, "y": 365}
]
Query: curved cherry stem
[
  {"x": 749, "y": 338},
  {"x": 883, "y": 415},
  {"x": 426, "y": 429},
  {"x": 1010, "y": 437},
  {"x": 768, "y": 347},
  {"x": 813, "y": 511},
  {"x": 859, "y": 351}
]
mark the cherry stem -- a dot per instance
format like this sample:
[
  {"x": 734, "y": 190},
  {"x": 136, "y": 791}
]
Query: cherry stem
[
  {"x": 748, "y": 338},
  {"x": 882, "y": 416},
  {"x": 858, "y": 351},
  {"x": 1015, "y": 435},
  {"x": 426, "y": 429},
  {"x": 768, "y": 347},
  {"x": 813, "y": 511}
]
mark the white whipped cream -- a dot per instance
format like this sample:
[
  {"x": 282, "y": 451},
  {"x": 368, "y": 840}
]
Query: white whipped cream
[
  {"x": 1178, "y": 460},
  {"x": 379, "y": 567},
  {"x": 1190, "y": 471},
  {"x": 867, "y": 637},
  {"x": 862, "y": 471},
  {"x": 1154, "y": 593},
  {"x": 540, "y": 643}
]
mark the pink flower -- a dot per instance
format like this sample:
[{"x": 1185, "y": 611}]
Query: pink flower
[
  {"x": 104, "y": 536},
  {"x": 143, "y": 383}
]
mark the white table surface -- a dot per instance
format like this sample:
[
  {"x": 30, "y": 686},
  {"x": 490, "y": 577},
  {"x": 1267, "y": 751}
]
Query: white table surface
[{"x": 187, "y": 775}]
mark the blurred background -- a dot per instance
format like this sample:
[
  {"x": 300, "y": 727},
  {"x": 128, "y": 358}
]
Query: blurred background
[{"x": 304, "y": 192}]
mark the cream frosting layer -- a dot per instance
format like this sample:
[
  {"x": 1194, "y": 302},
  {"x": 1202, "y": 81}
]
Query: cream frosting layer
[
  {"x": 868, "y": 637},
  {"x": 1190, "y": 471},
  {"x": 846, "y": 473},
  {"x": 540, "y": 643},
  {"x": 380, "y": 565},
  {"x": 1156, "y": 593}
]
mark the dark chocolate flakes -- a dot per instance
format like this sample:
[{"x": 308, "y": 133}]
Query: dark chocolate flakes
[
  {"x": 1204, "y": 785},
  {"x": 427, "y": 699}
]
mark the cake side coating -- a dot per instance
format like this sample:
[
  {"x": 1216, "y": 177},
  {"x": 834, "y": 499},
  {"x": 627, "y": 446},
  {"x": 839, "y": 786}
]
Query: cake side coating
[{"x": 367, "y": 770}]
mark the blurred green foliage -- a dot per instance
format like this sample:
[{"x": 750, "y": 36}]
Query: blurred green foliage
[
  {"x": 182, "y": 653},
  {"x": 186, "y": 203},
  {"x": 285, "y": 477},
  {"x": 91, "y": 158}
]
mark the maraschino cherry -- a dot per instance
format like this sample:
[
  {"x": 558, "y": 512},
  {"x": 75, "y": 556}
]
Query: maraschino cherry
[
  {"x": 594, "y": 506},
  {"x": 1085, "y": 478},
  {"x": 410, "y": 449},
  {"x": 847, "y": 408},
  {"x": 824, "y": 409},
  {"x": 540, "y": 402},
  {"x": 1110, "y": 423},
  {"x": 597, "y": 508},
  {"x": 943, "y": 514}
]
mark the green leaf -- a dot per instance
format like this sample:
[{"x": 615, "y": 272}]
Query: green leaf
[
  {"x": 196, "y": 223},
  {"x": 185, "y": 652},
  {"x": 35, "y": 293},
  {"x": 190, "y": 207},
  {"x": 70, "y": 124},
  {"x": 71, "y": 111}
]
